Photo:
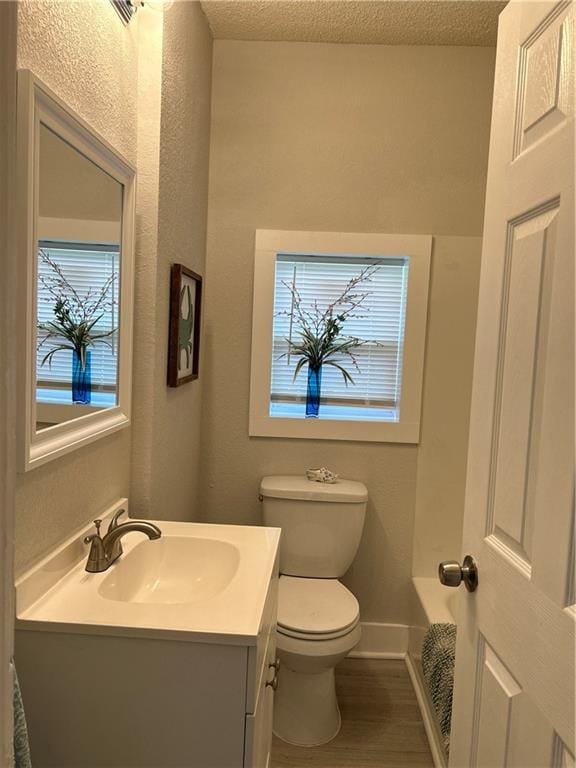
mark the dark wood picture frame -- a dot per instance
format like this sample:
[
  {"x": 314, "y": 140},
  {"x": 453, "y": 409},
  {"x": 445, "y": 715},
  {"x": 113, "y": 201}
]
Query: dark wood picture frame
[{"x": 180, "y": 277}]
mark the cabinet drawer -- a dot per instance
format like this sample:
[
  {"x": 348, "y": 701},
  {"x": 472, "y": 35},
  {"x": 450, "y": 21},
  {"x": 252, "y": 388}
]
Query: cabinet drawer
[{"x": 258, "y": 730}]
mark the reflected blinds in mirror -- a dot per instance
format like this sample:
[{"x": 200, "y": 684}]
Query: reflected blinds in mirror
[{"x": 87, "y": 267}]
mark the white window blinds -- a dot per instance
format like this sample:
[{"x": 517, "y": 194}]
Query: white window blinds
[
  {"x": 85, "y": 266},
  {"x": 381, "y": 319}
]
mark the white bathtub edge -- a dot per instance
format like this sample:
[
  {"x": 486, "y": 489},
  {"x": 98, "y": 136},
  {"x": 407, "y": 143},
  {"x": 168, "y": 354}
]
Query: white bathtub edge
[
  {"x": 438, "y": 602},
  {"x": 428, "y": 716}
]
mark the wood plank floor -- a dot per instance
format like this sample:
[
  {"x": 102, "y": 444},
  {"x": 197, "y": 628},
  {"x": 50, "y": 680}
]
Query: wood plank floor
[{"x": 381, "y": 722}]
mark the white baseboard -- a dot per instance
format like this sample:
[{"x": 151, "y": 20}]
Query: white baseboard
[
  {"x": 382, "y": 641},
  {"x": 428, "y": 716}
]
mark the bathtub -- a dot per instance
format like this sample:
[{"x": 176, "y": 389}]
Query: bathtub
[
  {"x": 437, "y": 603},
  {"x": 431, "y": 603}
]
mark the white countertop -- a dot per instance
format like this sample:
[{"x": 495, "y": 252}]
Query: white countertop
[{"x": 59, "y": 595}]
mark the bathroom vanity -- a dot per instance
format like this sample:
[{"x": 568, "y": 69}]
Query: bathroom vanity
[{"x": 168, "y": 658}]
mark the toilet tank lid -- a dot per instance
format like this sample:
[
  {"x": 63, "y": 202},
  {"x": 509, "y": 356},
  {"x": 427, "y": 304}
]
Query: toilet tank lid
[{"x": 300, "y": 488}]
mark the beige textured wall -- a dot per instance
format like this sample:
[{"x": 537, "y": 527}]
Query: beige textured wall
[
  {"x": 337, "y": 138},
  {"x": 146, "y": 88},
  {"x": 8, "y": 357},
  {"x": 72, "y": 187},
  {"x": 90, "y": 60},
  {"x": 441, "y": 474},
  {"x": 166, "y": 444}
]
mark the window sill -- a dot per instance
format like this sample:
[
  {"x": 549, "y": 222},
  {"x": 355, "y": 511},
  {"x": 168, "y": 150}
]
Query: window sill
[
  {"x": 64, "y": 397},
  {"x": 334, "y": 413},
  {"x": 335, "y": 429}
]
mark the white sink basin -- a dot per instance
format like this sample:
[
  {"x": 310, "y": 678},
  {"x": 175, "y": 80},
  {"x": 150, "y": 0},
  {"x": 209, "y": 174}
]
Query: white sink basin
[
  {"x": 172, "y": 570},
  {"x": 201, "y": 582}
]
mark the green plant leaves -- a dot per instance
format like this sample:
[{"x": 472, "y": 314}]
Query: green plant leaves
[{"x": 320, "y": 330}]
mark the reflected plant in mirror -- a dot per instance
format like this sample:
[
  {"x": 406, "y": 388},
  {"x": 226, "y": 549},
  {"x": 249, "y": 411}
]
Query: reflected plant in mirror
[{"x": 80, "y": 320}]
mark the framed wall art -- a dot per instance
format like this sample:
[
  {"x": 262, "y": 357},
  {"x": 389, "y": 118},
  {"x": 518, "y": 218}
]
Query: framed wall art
[{"x": 184, "y": 341}]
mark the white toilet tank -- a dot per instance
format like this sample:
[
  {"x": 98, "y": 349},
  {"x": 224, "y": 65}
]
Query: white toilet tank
[{"x": 321, "y": 523}]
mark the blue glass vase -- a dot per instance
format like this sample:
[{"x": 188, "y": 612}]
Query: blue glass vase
[
  {"x": 81, "y": 382},
  {"x": 313, "y": 392}
]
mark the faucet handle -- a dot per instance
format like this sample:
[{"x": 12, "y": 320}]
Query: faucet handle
[
  {"x": 97, "y": 560},
  {"x": 88, "y": 539},
  {"x": 114, "y": 522}
]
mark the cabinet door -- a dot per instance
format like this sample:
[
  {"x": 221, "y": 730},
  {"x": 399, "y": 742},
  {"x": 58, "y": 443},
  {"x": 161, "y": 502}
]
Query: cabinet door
[{"x": 258, "y": 737}]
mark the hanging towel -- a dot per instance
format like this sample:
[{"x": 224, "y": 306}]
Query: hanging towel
[
  {"x": 438, "y": 656},
  {"x": 21, "y": 746}
]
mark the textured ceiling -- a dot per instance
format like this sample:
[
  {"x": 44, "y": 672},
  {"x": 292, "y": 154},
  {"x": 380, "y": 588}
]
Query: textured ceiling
[{"x": 388, "y": 22}]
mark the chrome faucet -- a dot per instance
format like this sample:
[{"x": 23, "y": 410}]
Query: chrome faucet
[{"x": 104, "y": 550}]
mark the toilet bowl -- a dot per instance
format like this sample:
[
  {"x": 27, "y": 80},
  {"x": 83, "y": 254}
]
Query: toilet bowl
[
  {"x": 318, "y": 626},
  {"x": 318, "y": 618}
]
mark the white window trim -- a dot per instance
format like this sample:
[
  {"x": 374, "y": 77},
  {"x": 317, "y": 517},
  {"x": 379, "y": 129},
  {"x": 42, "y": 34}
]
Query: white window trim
[{"x": 271, "y": 242}]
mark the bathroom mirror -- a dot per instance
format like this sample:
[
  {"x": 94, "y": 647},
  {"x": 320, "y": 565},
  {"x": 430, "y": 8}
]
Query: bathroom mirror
[{"x": 76, "y": 212}]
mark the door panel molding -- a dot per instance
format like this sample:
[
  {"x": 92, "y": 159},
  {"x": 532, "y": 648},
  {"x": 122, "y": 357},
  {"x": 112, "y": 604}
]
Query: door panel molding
[{"x": 542, "y": 106}]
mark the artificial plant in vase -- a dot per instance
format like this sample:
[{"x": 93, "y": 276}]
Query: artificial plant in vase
[
  {"x": 73, "y": 327},
  {"x": 322, "y": 340}
]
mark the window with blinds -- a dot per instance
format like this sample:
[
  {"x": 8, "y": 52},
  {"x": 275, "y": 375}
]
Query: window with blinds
[
  {"x": 375, "y": 394},
  {"x": 86, "y": 266}
]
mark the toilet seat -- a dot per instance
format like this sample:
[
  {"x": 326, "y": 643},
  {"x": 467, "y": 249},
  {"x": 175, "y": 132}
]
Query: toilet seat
[
  {"x": 315, "y": 609},
  {"x": 317, "y": 636}
]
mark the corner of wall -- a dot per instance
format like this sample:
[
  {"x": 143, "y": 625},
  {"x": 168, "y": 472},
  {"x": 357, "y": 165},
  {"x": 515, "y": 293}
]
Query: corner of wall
[
  {"x": 174, "y": 103},
  {"x": 149, "y": 97},
  {"x": 443, "y": 448}
]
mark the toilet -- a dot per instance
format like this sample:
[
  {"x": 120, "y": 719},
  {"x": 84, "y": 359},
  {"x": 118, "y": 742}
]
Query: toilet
[{"x": 318, "y": 617}]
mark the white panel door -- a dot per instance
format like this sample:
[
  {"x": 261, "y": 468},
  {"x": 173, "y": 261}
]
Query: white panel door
[{"x": 514, "y": 692}]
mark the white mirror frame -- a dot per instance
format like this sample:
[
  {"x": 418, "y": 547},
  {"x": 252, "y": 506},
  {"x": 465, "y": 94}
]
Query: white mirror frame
[{"x": 38, "y": 104}]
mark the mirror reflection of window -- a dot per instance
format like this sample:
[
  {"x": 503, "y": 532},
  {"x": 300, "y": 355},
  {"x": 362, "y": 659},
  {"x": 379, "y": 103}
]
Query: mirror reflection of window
[
  {"x": 91, "y": 271},
  {"x": 78, "y": 282}
]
